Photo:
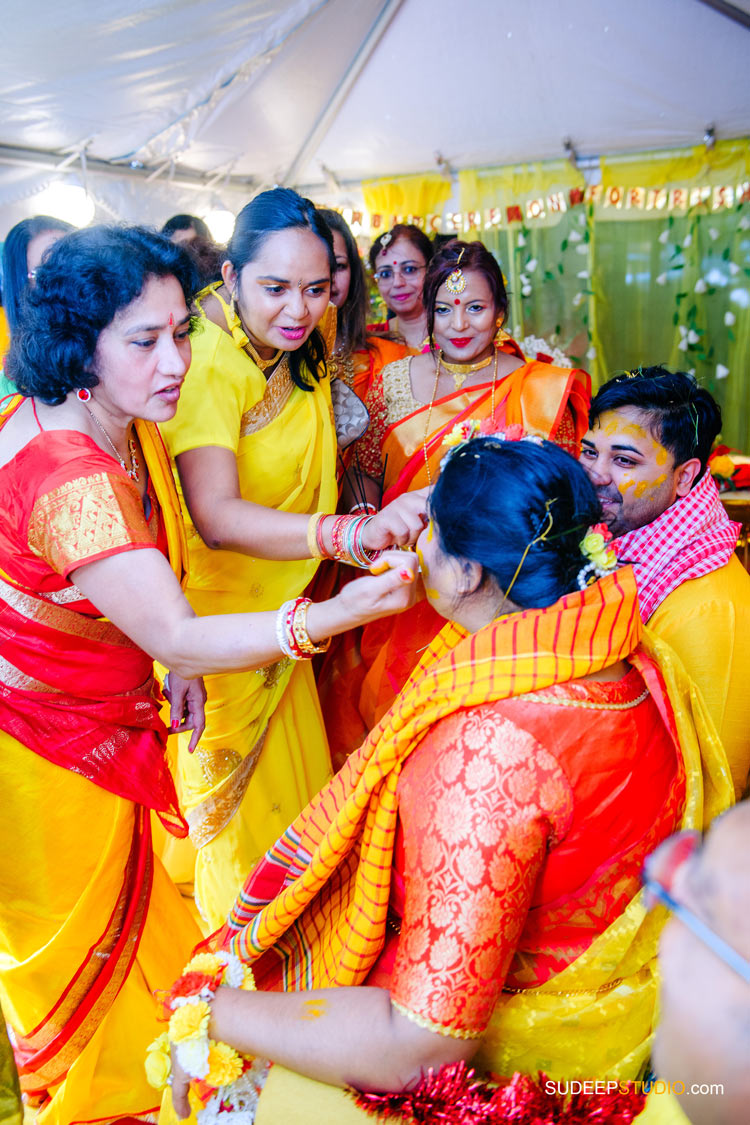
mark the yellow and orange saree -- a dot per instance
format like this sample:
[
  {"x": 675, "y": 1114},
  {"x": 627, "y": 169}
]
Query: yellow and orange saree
[{"x": 314, "y": 913}]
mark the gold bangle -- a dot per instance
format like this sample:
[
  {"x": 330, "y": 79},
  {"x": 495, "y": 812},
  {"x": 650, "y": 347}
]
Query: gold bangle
[
  {"x": 312, "y": 535},
  {"x": 300, "y": 633}
]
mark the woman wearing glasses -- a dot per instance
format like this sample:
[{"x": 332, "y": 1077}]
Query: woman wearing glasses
[{"x": 399, "y": 259}]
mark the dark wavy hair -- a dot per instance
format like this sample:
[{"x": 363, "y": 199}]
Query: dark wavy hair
[
  {"x": 15, "y": 267},
  {"x": 352, "y": 316},
  {"x": 417, "y": 237},
  {"x": 85, "y": 280},
  {"x": 489, "y": 504},
  {"x": 683, "y": 416},
  {"x": 474, "y": 256},
  {"x": 186, "y": 222},
  {"x": 272, "y": 211}
]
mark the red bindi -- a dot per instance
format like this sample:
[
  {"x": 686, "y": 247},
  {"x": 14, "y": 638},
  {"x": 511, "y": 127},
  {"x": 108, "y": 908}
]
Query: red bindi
[
  {"x": 456, "y": 302},
  {"x": 171, "y": 320}
]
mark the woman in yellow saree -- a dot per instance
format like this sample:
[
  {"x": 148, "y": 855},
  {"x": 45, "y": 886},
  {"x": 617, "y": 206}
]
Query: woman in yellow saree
[
  {"x": 255, "y": 448},
  {"x": 468, "y": 377},
  {"x": 92, "y": 553},
  {"x": 476, "y": 864}
]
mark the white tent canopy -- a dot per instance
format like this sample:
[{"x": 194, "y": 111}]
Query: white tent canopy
[{"x": 161, "y": 107}]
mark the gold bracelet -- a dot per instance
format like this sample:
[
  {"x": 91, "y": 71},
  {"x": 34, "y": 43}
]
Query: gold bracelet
[
  {"x": 312, "y": 535},
  {"x": 300, "y": 634}
]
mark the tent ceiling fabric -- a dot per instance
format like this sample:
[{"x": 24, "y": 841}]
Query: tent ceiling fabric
[{"x": 240, "y": 85}]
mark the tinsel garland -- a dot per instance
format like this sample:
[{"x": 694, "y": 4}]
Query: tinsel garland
[{"x": 454, "y": 1095}]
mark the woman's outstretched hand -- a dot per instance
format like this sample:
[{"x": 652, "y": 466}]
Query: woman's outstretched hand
[
  {"x": 391, "y": 589},
  {"x": 399, "y": 523}
]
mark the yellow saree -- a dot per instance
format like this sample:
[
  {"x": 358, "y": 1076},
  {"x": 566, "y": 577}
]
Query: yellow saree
[{"x": 264, "y": 752}]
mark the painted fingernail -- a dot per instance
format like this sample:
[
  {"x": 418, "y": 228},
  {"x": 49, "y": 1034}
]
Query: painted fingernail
[
  {"x": 175, "y": 724},
  {"x": 405, "y": 575}
]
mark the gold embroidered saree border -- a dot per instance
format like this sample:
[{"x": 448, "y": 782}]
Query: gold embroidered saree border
[
  {"x": 278, "y": 391},
  {"x": 213, "y": 814},
  {"x": 438, "y": 1028},
  {"x": 62, "y": 620}
]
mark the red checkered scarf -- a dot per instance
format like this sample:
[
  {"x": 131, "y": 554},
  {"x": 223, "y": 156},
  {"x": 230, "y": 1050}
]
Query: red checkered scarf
[{"x": 691, "y": 538}]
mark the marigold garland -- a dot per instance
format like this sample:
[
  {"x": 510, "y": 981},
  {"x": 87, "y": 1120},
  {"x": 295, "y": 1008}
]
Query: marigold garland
[{"x": 226, "y": 1084}]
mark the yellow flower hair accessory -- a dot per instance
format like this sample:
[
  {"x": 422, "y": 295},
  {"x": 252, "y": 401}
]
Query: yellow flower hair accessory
[{"x": 600, "y": 558}]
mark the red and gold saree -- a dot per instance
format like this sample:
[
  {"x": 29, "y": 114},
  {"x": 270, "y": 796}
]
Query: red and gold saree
[{"x": 88, "y": 919}]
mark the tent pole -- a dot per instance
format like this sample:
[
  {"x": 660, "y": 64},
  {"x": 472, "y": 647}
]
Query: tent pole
[
  {"x": 731, "y": 11},
  {"x": 350, "y": 76}
]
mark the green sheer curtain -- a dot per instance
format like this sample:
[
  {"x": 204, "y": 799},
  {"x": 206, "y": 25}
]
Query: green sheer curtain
[
  {"x": 648, "y": 310},
  {"x": 623, "y": 288}
]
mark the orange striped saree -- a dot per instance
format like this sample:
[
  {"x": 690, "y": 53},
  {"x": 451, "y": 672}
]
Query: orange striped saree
[
  {"x": 313, "y": 914},
  {"x": 318, "y": 901}
]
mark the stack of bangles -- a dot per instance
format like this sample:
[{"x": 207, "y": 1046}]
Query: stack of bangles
[
  {"x": 291, "y": 631},
  {"x": 346, "y": 537}
]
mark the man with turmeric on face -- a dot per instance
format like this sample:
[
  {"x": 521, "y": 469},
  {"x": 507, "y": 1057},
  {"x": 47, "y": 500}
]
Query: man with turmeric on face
[{"x": 649, "y": 439}]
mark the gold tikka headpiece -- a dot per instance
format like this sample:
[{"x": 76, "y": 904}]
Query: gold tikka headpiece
[{"x": 456, "y": 281}]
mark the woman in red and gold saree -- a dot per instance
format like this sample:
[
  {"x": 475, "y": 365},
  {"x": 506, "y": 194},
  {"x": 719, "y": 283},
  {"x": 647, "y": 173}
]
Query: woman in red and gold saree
[
  {"x": 92, "y": 554},
  {"x": 89, "y": 920},
  {"x": 476, "y": 864},
  {"x": 415, "y": 406}
]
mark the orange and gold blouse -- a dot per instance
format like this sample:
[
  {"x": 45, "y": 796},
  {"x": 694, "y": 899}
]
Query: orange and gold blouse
[{"x": 519, "y": 843}]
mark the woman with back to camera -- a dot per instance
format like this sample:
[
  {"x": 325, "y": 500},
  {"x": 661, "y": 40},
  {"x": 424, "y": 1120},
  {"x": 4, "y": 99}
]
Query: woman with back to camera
[
  {"x": 468, "y": 886},
  {"x": 255, "y": 448},
  {"x": 398, "y": 259},
  {"x": 470, "y": 373},
  {"x": 92, "y": 552}
]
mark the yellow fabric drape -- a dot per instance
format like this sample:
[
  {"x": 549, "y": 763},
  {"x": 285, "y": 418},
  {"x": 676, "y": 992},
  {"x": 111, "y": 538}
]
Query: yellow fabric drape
[
  {"x": 481, "y": 188},
  {"x": 727, "y": 162},
  {"x": 407, "y": 195}
]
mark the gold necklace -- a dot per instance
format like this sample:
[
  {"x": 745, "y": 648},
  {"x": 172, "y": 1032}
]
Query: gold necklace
[
  {"x": 459, "y": 371},
  {"x": 134, "y": 466},
  {"x": 432, "y": 400}
]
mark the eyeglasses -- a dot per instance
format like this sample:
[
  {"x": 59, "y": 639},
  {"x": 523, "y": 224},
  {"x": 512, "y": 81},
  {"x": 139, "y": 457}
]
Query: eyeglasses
[
  {"x": 387, "y": 273},
  {"x": 658, "y": 891}
]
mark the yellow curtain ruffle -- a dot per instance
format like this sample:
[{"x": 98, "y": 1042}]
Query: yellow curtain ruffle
[
  {"x": 407, "y": 195},
  {"x": 481, "y": 188},
  {"x": 727, "y": 162}
]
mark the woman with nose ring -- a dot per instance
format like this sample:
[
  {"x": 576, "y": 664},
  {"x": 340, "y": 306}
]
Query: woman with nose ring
[
  {"x": 255, "y": 449},
  {"x": 415, "y": 404}
]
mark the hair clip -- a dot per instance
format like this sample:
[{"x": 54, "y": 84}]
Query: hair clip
[{"x": 385, "y": 239}]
